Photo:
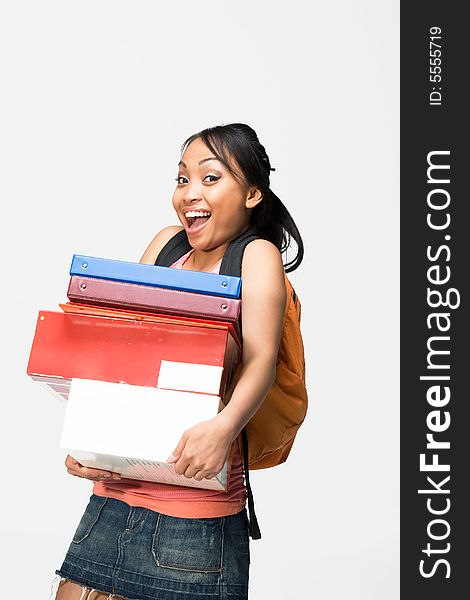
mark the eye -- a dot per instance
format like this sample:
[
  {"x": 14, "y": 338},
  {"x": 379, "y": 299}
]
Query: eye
[
  {"x": 214, "y": 178},
  {"x": 177, "y": 179}
]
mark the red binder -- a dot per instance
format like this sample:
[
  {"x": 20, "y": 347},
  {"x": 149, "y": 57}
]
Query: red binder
[
  {"x": 68, "y": 345},
  {"x": 131, "y": 296},
  {"x": 89, "y": 309}
]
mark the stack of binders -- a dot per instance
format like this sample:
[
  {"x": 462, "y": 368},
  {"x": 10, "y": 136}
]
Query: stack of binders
[{"x": 140, "y": 353}]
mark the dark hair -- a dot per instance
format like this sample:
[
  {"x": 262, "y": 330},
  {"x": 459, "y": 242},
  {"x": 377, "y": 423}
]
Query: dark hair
[{"x": 270, "y": 218}]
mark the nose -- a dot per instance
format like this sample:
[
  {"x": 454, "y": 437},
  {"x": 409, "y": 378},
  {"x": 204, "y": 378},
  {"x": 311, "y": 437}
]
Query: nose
[{"x": 192, "y": 193}]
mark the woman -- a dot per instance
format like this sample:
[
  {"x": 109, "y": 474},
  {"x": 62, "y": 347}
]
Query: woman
[{"x": 142, "y": 540}]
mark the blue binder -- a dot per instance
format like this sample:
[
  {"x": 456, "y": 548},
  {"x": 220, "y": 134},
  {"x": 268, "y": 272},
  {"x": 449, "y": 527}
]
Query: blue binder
[{"x": 165, "y": 277}]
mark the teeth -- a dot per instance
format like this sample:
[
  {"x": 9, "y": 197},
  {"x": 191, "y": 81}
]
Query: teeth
[{"x": 198, "y": 213}]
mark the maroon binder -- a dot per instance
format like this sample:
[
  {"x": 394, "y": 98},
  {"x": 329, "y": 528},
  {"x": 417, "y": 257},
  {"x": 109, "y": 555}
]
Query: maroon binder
[{"x": 132, "y": 296}]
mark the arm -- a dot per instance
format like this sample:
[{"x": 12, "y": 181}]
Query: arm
[
  {"x": 203, "y": 448},
  {"x": 263, "y": 303}
]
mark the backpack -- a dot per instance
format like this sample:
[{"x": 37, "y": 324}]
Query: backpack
[{"x": 269, "y": 435}]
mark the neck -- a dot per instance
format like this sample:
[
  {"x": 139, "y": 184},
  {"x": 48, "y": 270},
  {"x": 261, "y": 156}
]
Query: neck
[{"x": 205, "y": 260}]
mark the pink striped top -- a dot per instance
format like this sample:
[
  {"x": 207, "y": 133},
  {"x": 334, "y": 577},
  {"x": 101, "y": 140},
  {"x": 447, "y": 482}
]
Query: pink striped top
[{"x": 180, "y": 501}]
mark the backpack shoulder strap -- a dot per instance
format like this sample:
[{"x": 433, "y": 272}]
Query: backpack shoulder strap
[
  {"x": 253, "y": 527},
  {"x": 174, "y": 249},
  {"x": 232, "y": 261}
]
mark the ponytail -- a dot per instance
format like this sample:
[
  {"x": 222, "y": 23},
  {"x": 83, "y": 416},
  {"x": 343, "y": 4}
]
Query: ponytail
[{"x": 273, "y": 221}]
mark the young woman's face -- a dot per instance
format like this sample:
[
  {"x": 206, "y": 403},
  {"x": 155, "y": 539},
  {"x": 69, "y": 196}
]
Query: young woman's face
[{"x": 210, "y": 202}]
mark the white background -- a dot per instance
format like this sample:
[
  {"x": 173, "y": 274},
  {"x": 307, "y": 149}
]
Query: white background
[{"x": 97, "y": 97}]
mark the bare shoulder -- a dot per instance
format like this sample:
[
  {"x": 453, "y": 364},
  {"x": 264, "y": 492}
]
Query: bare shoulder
[
  {"x": 153, "y": 249},
  {"x": 262, "y": 256},
  {"x": 263, "y": 299},
  {"x": 263, "y": 271}
]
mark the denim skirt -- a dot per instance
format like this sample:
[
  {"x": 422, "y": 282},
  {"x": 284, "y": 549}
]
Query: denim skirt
[{"x": 141, "y": 554}]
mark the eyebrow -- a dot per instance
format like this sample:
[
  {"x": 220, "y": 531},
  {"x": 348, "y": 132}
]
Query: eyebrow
[{"x": 200, "y": 162}]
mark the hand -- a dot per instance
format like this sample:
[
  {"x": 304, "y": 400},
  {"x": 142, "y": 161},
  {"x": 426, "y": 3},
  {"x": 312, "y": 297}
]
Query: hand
[
  {"x": 78, "y": 470},
  {"x": 202, "y": 450}
]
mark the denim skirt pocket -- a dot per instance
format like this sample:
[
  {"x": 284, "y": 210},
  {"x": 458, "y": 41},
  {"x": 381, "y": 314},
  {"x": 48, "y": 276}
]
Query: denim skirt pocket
[
  {"x": 89, "y": 519},
  {"x": 188, "y": 544}
]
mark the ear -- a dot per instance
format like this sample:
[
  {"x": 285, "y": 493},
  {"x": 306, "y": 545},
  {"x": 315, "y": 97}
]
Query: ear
[{"x": 254, "y": 197}]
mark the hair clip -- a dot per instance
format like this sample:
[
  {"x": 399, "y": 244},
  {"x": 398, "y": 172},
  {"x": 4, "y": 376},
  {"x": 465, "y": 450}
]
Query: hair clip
[{"x": 266, "y": 160}]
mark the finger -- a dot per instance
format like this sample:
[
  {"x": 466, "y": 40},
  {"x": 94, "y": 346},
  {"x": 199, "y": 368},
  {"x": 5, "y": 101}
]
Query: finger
[
  {"x": 70, "y": 461},
  {"x": 205, "y": 475},
  {"x": 191, "y": 471},
  {"x": 178, "y": 451},
  {"x": 77, "y": 473},
  {"x": 75, "y": 468},
  {"x": 94, "y": 474},
  {"x": 181, "y": 465},
  {"x": 91, "y": 473}
]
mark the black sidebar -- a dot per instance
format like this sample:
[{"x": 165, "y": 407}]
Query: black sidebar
[{"x": 435, "y": 269}]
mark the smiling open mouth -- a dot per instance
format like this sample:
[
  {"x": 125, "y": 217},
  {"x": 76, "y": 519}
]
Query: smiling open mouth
[{"x": 196, "y": 219}]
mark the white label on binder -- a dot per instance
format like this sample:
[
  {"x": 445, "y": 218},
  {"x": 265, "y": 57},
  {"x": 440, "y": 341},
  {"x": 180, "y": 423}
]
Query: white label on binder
[{"x": 189, "y": 377}]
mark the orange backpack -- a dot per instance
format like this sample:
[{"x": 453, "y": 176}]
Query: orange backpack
[
  {"x": 272, "y": 429},
  {"x": 267, "y": 438}
]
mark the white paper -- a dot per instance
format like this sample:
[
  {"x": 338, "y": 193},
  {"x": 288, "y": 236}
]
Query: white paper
[
  {"x": 117, "y": 420},
  {"x": 189, "y": 377}
]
